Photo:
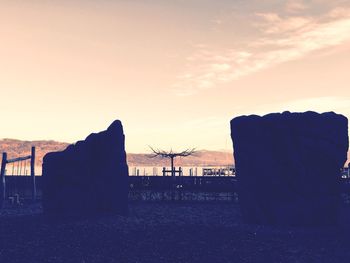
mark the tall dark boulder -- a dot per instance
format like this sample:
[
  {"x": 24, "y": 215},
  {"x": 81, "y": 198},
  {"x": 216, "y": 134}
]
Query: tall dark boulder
[
  {"x": 89, "y": 177},
  {"x": 288, "y": 166}
]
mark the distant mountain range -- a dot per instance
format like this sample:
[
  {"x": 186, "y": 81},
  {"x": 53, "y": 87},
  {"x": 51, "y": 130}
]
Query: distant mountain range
[
  {"x": 200, "y": 158},
  {"x": 16, "y": 148}
]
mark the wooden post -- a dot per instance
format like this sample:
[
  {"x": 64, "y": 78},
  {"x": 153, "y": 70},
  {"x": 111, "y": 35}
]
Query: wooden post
[
  {"x": 32, "y": 173},
  {"x": 2, "y": 178},
  {"x": 180, "y": 184},
  {"x": 20, "y": 168},
  {"x": 173, "y": 178},
  {"x": 172, "y": 167}
]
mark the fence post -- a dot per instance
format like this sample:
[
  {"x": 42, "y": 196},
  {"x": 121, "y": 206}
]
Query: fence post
[
  {"x": 2, "y": 178},
  {"x": 32, "y": 173}
]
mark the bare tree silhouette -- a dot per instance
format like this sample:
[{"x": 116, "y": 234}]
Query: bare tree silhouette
[{"x": 172, "y": 155}]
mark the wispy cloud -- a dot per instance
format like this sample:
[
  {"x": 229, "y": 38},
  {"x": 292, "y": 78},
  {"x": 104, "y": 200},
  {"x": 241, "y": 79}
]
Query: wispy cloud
[
  {"x": 281, "y": 39},
  {"x": 295, "y": 6}
]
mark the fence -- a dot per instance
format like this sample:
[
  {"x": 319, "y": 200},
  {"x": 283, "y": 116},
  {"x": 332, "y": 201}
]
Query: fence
[
  {"x": 225, "y": 170},
  {"x": 153, "y": 188},
  {"x": 146, "y": 188},
  {"x": 204, "y": 188},
  {"x": 19, "y": 160},
  {"x": 22, "y": 186}
]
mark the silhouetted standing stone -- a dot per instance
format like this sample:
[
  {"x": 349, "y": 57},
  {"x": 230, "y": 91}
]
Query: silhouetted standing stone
[
  {"x": 288, "y": 166},
  {"x": 89, "y": 177}
]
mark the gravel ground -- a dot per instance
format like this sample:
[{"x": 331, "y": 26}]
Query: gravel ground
[{"x": 165, "y": 232}]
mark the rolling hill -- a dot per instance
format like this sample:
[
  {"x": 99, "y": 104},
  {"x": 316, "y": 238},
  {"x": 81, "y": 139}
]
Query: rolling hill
[{"x": 16, "y": 148}]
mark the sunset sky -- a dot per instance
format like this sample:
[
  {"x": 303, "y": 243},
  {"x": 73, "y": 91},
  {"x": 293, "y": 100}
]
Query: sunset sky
[{"x": 174, "y": 72}]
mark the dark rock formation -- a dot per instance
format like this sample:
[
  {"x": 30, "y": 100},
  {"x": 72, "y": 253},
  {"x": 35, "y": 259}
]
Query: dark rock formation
[
  {"x": 89, "y": 177},
  {"x": 288, "y": 166}
]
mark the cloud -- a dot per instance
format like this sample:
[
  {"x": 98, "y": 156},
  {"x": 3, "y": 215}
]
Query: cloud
[
  {"x": 274, "y": 24},
  {"x": 295, "y": 6},
  {"x": 281, "y": 39}
]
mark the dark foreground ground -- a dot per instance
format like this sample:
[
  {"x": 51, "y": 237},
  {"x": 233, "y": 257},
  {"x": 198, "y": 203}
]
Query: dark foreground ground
[{"x": 165, "y": 232}]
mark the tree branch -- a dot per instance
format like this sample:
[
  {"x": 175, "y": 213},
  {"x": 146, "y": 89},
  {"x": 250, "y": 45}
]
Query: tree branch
[{"x": 171, "y": 154}]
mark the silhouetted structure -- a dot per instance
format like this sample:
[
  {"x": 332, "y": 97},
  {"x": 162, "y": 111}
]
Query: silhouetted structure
[
  {"x": 88, "y": 177},
  {"x": 288, "y": 166},
  {"x": 172, "y": 155},
  {"x": 176, "y": 188},
  {"x": 19, "y": 161}
]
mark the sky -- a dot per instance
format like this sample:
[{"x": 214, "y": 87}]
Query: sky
[{"x": 174, "y": 72}]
